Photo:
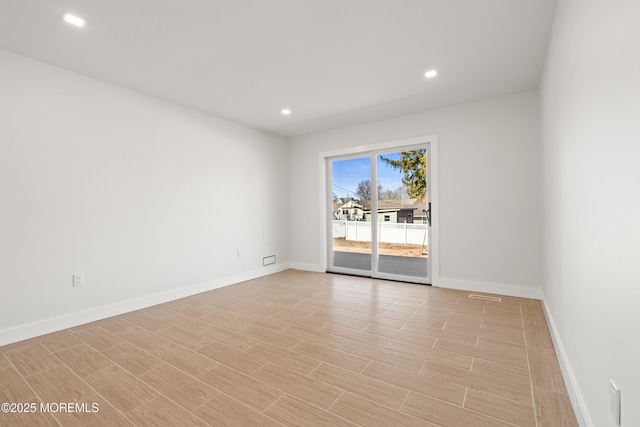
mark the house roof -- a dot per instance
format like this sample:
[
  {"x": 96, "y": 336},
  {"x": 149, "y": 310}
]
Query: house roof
[{"x": 394, "y": 204}]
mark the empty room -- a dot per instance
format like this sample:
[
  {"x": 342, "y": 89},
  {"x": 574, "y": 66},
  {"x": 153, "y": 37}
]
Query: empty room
[{"x": 303, "y": 212}]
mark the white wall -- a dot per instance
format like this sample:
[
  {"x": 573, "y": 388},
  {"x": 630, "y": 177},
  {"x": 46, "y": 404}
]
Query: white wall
[
  {"x": 140, "y": 195},
  {"x": 489, "y": 189},
  {"x": 590, "y": 103}
]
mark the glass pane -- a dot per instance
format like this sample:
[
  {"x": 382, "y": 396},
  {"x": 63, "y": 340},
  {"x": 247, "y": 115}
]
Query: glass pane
[
  {"x": 402, "y": 213},
  {"x": 351, "y": 186}
]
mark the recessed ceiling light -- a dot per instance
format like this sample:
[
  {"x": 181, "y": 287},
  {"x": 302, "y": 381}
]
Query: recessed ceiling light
[
  {"x": 431, "y": 74},
  {"x": 74, "y": 20},
  {"x": 285, "y": 112}
]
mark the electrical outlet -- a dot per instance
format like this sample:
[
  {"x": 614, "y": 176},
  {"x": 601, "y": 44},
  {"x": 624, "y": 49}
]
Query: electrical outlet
[
  {"x": 78, "y": 280},
  {"x": 614, "y": 401}
]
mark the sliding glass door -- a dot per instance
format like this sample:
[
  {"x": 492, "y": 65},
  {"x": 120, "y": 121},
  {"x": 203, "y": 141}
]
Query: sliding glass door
[
  {"x": 350, "y": 232},
  {"x": 380, "y": 214},
  {"x": 402, "y": 214}
]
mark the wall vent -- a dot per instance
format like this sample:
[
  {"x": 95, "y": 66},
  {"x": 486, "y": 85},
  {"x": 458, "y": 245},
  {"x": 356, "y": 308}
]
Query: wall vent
[
  {"x": 485, "y": 297},
  {"x": 268, "y": 260}
]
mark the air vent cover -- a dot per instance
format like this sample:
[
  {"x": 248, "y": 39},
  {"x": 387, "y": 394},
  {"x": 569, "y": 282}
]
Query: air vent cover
[{"x": 485, "y": 297}]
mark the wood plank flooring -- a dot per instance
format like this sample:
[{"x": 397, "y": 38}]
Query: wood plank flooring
[{"x": 298, "y": 348}]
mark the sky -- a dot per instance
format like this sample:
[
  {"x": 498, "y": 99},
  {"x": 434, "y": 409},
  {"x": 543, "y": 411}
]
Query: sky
[{"x": 348, "y": 173}]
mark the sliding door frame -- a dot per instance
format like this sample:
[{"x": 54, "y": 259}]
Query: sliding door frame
[{"x": 373, "y": 151}]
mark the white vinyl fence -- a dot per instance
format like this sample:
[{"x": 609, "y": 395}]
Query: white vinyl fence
[{"x": 388, "y": 232}]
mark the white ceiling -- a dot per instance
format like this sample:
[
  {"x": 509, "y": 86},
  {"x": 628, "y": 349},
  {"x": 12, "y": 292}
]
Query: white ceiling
[{"x": 332, "y": 62}]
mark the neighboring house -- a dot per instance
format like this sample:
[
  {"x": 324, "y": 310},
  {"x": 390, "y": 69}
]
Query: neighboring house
[
  {"x": 397, "y": 211},
  {"x": 420, "y": 214},
  {"x": 351, "y": 210}
]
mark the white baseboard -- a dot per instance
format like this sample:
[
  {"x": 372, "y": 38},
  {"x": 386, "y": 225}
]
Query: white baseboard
[
  {"x": 58, "y": 323},
  {"x": 316, "y": 268},
  {"x": 490, "y": 288},
  {"x": 577, "y": 400}
]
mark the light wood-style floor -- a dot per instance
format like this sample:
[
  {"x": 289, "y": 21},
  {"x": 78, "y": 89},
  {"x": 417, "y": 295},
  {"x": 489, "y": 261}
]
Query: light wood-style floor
[{"x": 299, "y": 348}]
